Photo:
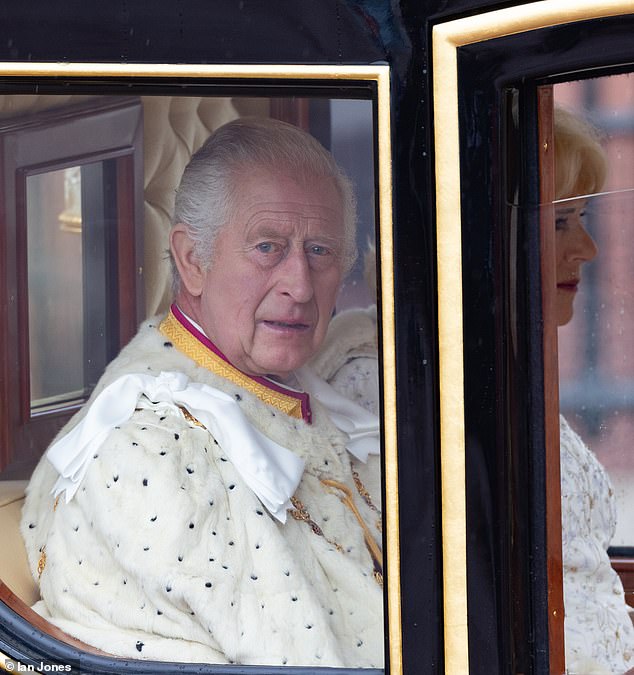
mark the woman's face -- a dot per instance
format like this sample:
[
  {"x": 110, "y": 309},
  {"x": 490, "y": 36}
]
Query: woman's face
[{"x": 573, "y": 247}]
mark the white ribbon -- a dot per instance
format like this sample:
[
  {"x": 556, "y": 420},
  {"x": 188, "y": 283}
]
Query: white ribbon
[
  {"x": 270, "y": 470},
  {"x": 361, "y": 426}
]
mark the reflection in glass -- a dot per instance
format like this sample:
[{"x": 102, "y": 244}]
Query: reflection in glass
[
  {"x": 55, "y": 283},
  {"x": 595, "y": 349},
  {"x": 592, "y": 220}
]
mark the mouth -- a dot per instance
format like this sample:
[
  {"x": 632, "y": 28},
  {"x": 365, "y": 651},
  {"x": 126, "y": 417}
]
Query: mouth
[
  {"x": 569, "y": 286},
  {"x": 287, "y": 326}
]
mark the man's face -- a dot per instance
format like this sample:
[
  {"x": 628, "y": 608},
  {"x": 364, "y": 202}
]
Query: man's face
[{"x": 270, "y": 290}]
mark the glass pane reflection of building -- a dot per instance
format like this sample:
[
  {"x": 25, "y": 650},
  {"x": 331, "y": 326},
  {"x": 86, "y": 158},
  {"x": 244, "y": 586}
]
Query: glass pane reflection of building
[{"x": 596, "y": 354}]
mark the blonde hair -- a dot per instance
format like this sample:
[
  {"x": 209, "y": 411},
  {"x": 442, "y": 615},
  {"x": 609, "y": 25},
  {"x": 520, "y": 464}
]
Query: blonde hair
[{"x": 580, "y": 162}]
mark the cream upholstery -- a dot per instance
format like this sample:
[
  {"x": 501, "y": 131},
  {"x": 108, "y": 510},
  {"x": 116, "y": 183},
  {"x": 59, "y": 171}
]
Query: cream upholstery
[{"x": 14, "y": 567}]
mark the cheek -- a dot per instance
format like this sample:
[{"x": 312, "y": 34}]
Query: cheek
[
  {"x": 560, "y": 250},
  {"x": 326, "y": 292},
  {"x": 249, "y": 295}
]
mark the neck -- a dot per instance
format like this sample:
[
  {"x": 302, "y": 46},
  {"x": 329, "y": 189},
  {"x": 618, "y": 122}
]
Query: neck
[{"x": 193, "y": 342}]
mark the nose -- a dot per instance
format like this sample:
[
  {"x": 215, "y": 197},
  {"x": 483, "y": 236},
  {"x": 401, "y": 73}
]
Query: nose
[
  {"x": 584, "y": 247},
  {"x": 295, "y": 277}
]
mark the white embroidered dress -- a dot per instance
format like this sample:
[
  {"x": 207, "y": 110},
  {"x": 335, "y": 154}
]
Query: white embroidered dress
[{"x": 598, "y": 631}]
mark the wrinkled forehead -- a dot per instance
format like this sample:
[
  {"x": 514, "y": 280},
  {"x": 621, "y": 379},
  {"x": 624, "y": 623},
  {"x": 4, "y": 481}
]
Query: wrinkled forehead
[
  {"x": 292, "y": 218},
  {"x": 277, "y": 201}
]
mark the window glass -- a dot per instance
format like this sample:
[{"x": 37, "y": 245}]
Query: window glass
[
  {"x": 596, "y": 347},
  {"x": 73, "y": 258},
  {"x": 53, "y": 217}
]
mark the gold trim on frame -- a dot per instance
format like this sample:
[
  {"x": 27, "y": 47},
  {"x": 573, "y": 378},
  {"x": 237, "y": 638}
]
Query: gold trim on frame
[
  {"x": 380, "y": 74},
  {"x": 446, "y": 39}
]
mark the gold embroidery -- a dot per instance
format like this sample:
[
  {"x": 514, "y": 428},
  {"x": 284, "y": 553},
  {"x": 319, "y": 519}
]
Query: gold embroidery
[
  {"x": 41, "y": 562},
  {"x": 186, "y": 343},
  {"x": 190, "y": 418},
  {"x": 300, "y": 512},
  {"x": 56, "y": 503},
  {"x": 347, "y": 500},
  {"x": 361, "y": 489}
]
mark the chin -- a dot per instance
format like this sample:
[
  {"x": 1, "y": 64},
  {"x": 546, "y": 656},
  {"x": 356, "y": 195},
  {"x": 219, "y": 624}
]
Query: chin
[
  {"x": 282, "y": 368},
  {"x": 564, "y": 318}
]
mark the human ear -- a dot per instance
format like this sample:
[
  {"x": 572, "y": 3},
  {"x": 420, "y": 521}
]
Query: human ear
[{"x": 182, "y": 247}]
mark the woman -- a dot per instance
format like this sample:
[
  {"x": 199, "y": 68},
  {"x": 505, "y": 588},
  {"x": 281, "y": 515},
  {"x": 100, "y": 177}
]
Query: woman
[{"x": 598, "y": 631}]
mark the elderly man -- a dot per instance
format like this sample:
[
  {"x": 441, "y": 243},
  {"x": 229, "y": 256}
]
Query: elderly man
[{"x": 204, "y": 505}]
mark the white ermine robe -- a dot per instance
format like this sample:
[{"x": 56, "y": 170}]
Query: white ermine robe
[{"x": 165, "y": 553}]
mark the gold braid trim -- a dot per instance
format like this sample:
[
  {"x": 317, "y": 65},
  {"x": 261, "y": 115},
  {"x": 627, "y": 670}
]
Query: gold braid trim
[
  {"x": 347, "y": 499},
  {"x": 362, "y": 490},
  {"x": 41, "y": 564},
  {"x": 300, "y": 512},
  {"x": 204, "y": 357}
]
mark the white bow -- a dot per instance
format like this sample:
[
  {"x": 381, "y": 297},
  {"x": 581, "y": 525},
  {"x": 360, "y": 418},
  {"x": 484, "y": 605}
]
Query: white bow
[
  {"x": 270, "y": 470},
  {"x": 360, "y": 425}
]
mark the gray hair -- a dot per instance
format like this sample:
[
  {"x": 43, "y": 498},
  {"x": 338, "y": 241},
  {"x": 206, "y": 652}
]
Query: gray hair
[{"x": 209, "y": 186}]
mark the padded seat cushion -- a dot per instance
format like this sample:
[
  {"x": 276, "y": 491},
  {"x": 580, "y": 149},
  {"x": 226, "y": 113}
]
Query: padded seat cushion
[{"x": 14, "y": 566}]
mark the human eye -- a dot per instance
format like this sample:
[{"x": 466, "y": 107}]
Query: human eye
[
  {"x": 562, "y": 220},
  {"x": 321, "y": 256},
  {"x": 267, "y": 247},
  {"x": 318, "y": 250}
]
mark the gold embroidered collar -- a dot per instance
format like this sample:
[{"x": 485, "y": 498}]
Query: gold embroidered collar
[{"x": 200, "y": 349}]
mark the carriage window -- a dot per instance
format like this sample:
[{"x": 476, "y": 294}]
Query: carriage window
[
  {"x": 72, "y": 226},
  {"x": 591, "y": 219},
  {"x": 595, "y": 346},
  {"x": 77, "y": 267}
]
